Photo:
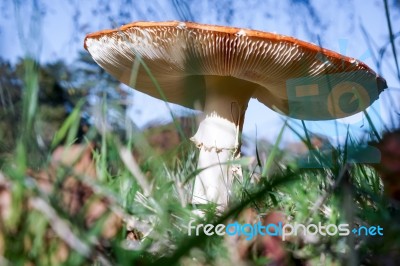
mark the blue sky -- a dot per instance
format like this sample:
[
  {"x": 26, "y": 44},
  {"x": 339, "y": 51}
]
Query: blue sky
[{"x": 337, "y": 24}]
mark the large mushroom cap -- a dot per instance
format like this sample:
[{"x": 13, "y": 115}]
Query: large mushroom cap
[{"x": 294, "y": 77}]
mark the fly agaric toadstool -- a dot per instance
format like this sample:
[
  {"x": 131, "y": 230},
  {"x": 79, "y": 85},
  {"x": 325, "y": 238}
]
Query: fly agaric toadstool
[{"x": 221, "y": 68}]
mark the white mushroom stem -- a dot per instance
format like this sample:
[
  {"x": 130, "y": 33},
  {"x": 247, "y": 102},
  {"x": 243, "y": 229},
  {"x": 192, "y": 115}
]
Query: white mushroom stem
[
  {"x": 218, "y": 138},
  {"x": 216, "y": 150}
]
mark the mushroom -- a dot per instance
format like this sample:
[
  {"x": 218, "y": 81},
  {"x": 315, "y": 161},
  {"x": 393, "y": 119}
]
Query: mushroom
[{"x": 220, "y": 68}]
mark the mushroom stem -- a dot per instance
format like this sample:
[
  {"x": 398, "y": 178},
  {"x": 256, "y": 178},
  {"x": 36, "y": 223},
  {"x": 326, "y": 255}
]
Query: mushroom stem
[
  {"x": 218, "y": 138},
  {"x": 213, "y": 183}
]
